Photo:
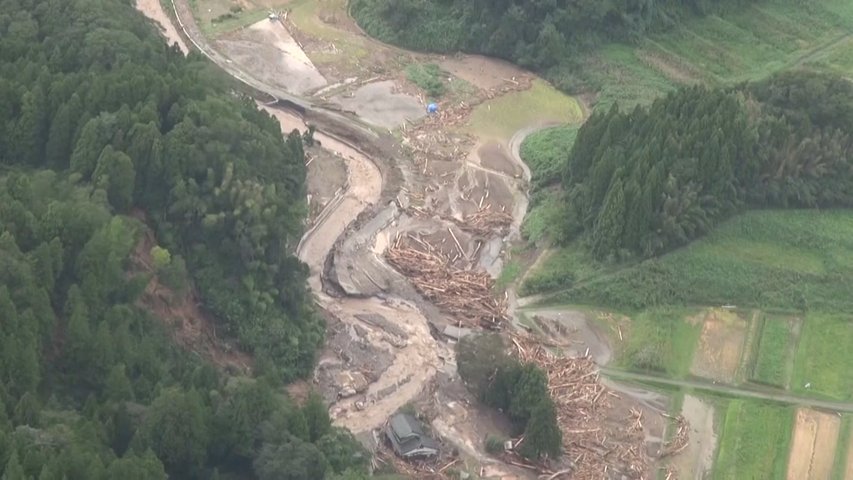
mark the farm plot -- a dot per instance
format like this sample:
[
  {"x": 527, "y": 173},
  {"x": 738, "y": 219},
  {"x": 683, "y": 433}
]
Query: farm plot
[
  {"x": 660, "y": 340},
  {"x": 813, "y": 445},
  {"x": 774, "y": 358},
  {"x": 823, "y": 358},
  {"x": 755, "y": 440},
  {"x": 721, "y": 346}
]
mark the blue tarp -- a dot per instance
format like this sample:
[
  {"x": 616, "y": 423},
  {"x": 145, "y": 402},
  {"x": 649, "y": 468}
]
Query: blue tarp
[{"x": 432, "y": 108}]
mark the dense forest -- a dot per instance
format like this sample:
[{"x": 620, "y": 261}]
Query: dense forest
[
  {"x": 647, "y": 181},
  {"x": 538, "y": 34},
  {"x": 104, "y": 127}
]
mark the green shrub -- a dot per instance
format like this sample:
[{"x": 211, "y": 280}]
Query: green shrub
[
  {"x": 429, "y": 77},
  {"x": 494, "y": 445}
]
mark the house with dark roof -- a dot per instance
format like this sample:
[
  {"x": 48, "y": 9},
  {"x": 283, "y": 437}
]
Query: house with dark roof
[{"x": 407, "y": 437}]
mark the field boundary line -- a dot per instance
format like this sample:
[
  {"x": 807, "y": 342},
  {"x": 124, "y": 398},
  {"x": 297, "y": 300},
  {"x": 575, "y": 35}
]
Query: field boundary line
[{"x": 779, "y": 397}]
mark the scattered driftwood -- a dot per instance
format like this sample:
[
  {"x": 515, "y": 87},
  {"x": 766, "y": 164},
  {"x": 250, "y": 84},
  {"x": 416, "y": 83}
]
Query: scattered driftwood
[
  {"x": 486, "y": 222},
  {"x": 465, "y": 294},
  {"x": 679, "y": 441},
  {"x": 596, "y": 445}
]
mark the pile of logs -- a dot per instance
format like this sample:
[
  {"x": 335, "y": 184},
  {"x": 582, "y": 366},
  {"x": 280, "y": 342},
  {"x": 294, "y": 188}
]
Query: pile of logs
[
  {"x": 465, "y": 294},
  {"x": 486, "y": 222},
  {"x": 598, "y": 443}
]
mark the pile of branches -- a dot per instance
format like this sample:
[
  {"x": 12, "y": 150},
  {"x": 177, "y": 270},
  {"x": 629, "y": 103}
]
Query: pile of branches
[
  {"x": 680, "y": 440},
  {"x": 465, "y": 294},
  {"x": 595, "y": 438},
  {"x": 486, "y": 222}
]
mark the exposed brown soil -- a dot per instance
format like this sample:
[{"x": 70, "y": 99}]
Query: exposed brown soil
[
  {"x": 154, "y": 10},
  {"x": 190, "y": 325},
  {"x": 381, "y": 104},
  {"x": 495, "y": 156},
  {"x": 268, "y": 50},
  {"x": 813, "y": 445},
  {"x": 483, "y": 72},
  {"x": 696, "y": 460},
  {"x": 720, "y": 346}
]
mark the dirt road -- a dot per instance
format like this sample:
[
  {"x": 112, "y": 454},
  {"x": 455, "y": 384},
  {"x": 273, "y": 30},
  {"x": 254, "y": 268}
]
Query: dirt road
[{"x": 773, "y": 396}]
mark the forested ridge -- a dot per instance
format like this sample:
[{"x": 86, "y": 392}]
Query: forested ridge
[
  {"x": 102, "y": 124},
  {"x": 538, "y": 34},
  {"x": 644, "y": 182}
]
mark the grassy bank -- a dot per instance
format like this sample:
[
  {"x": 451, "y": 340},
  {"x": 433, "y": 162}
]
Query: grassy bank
[{"x": 790, "y": 260}]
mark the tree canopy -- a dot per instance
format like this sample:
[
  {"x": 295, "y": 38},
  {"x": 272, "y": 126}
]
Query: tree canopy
[
  {"x": 644, "y": 182},
  {"x": 107, "y": 134},
  {"x": 536, "y": 34}
]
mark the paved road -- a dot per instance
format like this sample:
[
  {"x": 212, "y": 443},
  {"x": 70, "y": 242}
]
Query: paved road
[{"x": 769, "y": 395}]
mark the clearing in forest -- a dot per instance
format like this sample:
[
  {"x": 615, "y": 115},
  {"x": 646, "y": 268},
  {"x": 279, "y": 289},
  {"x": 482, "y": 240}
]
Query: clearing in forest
[{"x": 813, "y": 445}]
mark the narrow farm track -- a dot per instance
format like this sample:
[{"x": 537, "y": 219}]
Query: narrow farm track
[
  {"x": 814, "y": 53},
  {"x": 768, "y": 395}
]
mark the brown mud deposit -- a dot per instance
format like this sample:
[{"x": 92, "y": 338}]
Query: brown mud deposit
[
  {"x": 268, "y": 50},
  {"x": 497, "y": 157},
  {"x": 720, "y": 346},
  {"x": 813, "y": 445},
  {"x": 380, "y": 104},
  {"x": 575, "y": 329},
  {"x": 696, "y": 460},
  {"x": 483, "y": 72}
]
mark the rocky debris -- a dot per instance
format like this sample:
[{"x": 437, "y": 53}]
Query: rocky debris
[{"x": 350, "y": 362}]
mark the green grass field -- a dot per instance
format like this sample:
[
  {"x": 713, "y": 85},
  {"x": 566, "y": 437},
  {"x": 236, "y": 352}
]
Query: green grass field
[
  {"x": 824, "y": 357},
  {"x": 754, "y": 441},
  {"x": 789, "y": 260},
  {"x": 661, "y": 340},
  {"x": 745, "y": 44},
  {"x": 502, "y": 117},
  {"x": 771, "y": 364}
]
